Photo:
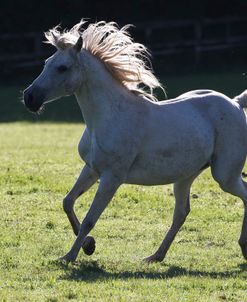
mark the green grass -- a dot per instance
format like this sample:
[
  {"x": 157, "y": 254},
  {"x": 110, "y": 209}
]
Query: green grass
[{"x": 39, "y": 164}]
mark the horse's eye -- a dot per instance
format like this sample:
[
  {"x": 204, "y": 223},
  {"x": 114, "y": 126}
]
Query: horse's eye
[{"x": 62, "y": 68}]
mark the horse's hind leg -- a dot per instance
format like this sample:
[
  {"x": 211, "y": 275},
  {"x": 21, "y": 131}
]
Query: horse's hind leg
[
  {"x": 243, "y": 237},
  {"x": 181, "y": 211},
  {"x": 230, "y": 180},
  {"x": 238, "y": 188}
]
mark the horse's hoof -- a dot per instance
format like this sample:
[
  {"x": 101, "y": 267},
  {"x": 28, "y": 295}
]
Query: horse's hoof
[
  {"x": 67, "y": 258},
  {"x": 153, "y": 258},
  {"x": 88, "y": 245}
]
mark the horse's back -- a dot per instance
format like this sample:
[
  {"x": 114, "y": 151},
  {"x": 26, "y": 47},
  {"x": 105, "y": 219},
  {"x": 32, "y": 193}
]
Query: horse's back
[
  {"x": 214, "y": 110},
  {"x": 214, "y": 106}
]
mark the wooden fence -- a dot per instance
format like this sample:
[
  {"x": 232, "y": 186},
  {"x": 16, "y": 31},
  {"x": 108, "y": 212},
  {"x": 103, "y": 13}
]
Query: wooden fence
[
  {"x": 163, "y": 38},
  {"x": 167, "y": 38}
]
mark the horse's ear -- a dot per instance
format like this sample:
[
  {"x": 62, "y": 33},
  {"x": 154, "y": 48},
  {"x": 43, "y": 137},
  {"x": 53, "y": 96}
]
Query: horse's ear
[{"x": 78, "y": 44}]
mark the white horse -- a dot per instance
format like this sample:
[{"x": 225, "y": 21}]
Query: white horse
[{"x": 132, "y": 139}]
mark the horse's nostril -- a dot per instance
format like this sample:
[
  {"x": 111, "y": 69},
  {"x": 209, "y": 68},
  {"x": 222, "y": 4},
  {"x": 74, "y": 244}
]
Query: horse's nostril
[{"x": 33, "y": 98}]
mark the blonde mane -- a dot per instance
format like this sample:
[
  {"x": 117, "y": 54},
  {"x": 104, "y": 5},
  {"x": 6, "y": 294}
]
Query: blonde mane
[{"x": 127, "y": 61}]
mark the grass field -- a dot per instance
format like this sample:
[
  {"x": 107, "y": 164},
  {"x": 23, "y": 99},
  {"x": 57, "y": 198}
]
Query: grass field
[{"x": 38, "y": 165}]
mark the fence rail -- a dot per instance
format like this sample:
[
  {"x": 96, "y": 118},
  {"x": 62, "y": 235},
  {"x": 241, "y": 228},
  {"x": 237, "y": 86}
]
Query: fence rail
[
  {"x": 195, "y": 36},
  {"x": 163, "y": 38}
]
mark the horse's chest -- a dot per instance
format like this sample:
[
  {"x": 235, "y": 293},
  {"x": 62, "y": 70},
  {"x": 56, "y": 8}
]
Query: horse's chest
[
  {"x": 88, "y": 151},
  {"x": 101, "y": 156}
]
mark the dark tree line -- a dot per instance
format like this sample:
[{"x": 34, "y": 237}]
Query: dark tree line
[{"x": 26, "y": 16}]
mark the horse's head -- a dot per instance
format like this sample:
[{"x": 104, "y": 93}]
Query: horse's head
[{"x": 61, "y": 76}]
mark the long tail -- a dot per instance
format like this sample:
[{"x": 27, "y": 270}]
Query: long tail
[{"x": 242, "y": 99}]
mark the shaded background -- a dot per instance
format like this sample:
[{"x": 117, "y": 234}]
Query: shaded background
[
  {"x": 195, "y": 44},
  {"x": 23, "y": 16}
]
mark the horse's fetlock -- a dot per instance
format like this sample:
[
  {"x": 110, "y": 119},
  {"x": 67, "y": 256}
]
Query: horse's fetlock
[{"x": 87, "y": 225}]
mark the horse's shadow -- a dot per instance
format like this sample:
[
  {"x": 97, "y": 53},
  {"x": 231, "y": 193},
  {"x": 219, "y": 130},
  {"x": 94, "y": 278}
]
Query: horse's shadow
[{"x": 92, "y": 271}]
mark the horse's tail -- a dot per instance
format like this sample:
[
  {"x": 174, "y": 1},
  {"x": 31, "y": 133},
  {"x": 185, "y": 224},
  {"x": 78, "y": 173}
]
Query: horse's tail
[{"x": 242, "y": 99}]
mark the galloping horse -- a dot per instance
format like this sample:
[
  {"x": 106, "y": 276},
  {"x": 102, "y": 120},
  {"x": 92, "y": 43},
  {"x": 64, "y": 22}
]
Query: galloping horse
[{"x": 129, "y": 137}]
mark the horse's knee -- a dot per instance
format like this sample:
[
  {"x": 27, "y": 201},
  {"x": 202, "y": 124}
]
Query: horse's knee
[{"x": 68, "y": 204}]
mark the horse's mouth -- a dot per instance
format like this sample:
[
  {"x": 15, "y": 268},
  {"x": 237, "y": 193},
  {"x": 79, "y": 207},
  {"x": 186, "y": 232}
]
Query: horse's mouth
[
  {"x": 35, "y": 107},
  {"x": 39, "y": 108}
]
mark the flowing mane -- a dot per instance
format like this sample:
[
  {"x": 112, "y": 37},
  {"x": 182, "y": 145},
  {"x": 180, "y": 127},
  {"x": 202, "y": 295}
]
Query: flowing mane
[{"x": 126, "y": 60}]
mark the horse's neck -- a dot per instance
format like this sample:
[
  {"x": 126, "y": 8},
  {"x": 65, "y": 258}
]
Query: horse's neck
[{"x": 101, "y": 95}]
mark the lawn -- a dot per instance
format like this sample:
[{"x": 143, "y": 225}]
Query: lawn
[{"x": 39, "y": 164}]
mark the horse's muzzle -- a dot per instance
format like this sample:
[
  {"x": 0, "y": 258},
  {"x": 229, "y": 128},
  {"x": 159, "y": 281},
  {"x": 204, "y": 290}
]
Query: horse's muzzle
[{"x": 33, "y": 98}]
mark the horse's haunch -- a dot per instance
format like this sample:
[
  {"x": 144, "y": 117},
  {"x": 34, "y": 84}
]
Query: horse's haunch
[{"x": 89, "y": 245}]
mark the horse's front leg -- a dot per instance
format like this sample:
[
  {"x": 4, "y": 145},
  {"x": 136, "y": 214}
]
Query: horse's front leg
[
  {"x": 107, "y": 188},
  {"x": 85, "y": 180}
]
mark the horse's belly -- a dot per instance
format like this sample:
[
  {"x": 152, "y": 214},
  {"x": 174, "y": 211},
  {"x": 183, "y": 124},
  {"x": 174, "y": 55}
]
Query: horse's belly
[
  {"x": 168, "y": 165},
  {"x": 156, "y": 171}
]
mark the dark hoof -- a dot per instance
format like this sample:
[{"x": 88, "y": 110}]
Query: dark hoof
[
  {"x": 88, "y": 245},
  {"x": 67, "y": 258}
]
